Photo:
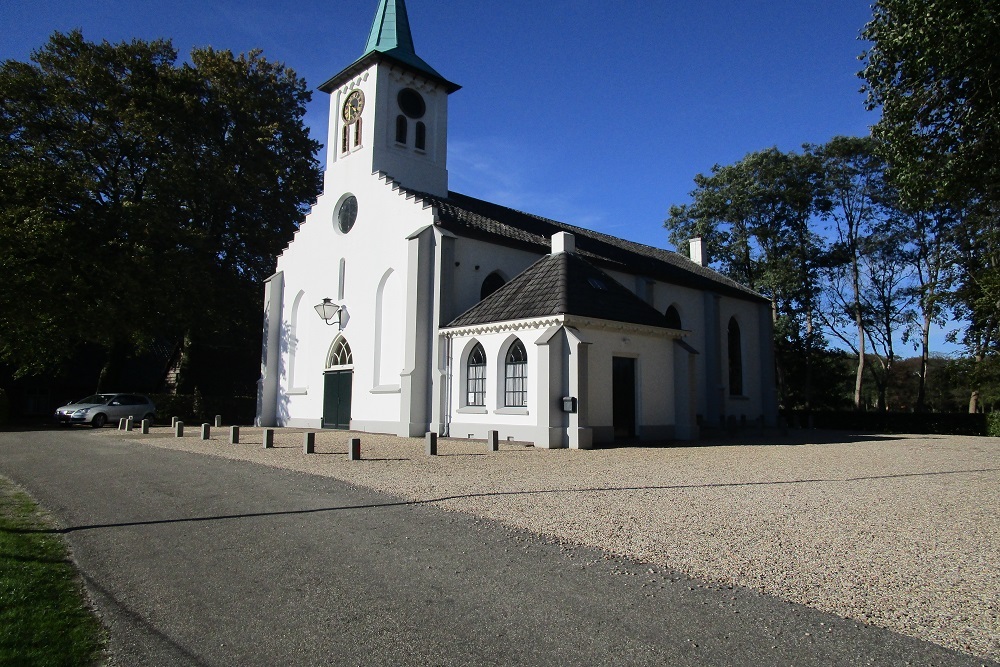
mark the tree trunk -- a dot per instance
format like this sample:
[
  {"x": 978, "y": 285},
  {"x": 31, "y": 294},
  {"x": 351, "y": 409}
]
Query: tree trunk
[
  {"x": 809, "y": 360},
  {"x": 859, "y": 322},
  {"x": 779, "y": 369},
  {"x": 185, "y": 379},
  {"x": 974, "y": 396},
  {"x": 111, "y": 371},
  {"x": 925, "y": 334}
]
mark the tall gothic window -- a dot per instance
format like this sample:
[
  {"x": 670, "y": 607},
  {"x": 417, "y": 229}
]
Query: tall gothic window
[
  {"x": 400, "y": 129},
  {"x": 476, "y": 377},
  {"x": 735, "y": 359},
  {"x": 516, "y": 376},
  {"x": 420, "y": 138}
]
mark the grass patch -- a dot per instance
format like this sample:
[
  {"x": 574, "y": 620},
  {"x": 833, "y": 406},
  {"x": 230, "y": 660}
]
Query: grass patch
[{"x": 44, "y": 619}]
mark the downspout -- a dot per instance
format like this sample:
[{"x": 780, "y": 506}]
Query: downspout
[{"x": 447, "y": 391}]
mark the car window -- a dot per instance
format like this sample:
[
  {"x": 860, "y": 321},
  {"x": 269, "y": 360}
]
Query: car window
[{"x": 96, "y": 398}]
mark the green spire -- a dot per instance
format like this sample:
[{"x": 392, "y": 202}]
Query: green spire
[
  {"x": 391, "y": 35},
  {"x": 391, "y": 29}
]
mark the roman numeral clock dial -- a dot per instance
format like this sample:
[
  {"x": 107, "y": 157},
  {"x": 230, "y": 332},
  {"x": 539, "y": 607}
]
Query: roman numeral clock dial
[{"x": 353, "y": 106}]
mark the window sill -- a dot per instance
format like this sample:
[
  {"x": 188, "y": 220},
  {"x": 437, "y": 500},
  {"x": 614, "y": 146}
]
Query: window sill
[
  {"x": 385, "y": 389},
  {"x": 298, "y": 391},
  {"x": 739, "y": 398},
  {"x": 473, "y": 410},
  {"x": 511, "y": 411}
]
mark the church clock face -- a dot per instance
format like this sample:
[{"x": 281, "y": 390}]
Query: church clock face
[
  {"x": 353, "y": 106},
  {"x": 347, "y": 213}
]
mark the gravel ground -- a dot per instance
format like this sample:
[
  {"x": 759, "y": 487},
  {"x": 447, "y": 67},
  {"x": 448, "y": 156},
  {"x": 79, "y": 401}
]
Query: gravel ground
[{"x": 897, "y": 531}]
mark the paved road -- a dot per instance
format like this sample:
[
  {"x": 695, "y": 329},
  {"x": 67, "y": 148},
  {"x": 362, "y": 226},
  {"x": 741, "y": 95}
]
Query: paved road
[{"x": 194, "y": 560}]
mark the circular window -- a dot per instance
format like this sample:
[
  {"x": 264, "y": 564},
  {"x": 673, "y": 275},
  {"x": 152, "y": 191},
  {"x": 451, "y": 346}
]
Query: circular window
[
  {"x": 411, "y": 103},
  {"x": 347, "y": 213}
]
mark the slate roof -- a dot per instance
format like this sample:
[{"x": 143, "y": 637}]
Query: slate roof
[
  {"x": 562, "y": 284},
  {"x": 470, "y": 217}
]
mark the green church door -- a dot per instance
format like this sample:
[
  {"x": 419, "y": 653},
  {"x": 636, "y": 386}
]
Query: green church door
[{"x": 337, "y": 399}]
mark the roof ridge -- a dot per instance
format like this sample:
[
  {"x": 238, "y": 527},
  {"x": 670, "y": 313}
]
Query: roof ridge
[{"x": 460, "y": 212}]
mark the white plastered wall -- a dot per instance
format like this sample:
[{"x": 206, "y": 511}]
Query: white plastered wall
[
  {"x": 654, "y": 382},
  {"x": 375, "y": 259},
  {"x": 511, "y": 423}
]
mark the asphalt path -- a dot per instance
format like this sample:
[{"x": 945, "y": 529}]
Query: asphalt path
[{"x": 194, "y": 560}]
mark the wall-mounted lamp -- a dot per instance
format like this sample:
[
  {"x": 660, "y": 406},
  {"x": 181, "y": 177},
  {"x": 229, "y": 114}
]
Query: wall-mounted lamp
[{"x": 328, "y": 310}]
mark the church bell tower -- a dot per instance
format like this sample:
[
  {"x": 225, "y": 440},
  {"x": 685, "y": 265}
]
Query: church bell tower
[{"x": 389, "y": 111}]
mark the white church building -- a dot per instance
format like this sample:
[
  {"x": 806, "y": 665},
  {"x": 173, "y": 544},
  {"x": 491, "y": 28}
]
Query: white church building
[{"x": 402, "y": 307}]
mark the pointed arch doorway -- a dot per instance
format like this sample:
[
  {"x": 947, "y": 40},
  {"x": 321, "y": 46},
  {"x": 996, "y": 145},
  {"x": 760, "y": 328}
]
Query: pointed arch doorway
[{"x": 337, "y": 384}]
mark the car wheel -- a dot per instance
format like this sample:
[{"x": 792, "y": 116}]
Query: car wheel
[
  {"x": 150, "y": 416},
  {"x": 99, "y": 420}
]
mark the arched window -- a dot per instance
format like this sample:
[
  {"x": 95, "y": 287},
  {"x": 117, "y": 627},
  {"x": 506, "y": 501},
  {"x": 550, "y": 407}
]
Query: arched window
[
  {"x": 420, "y": 137},
  {"x": 400, "y": 129},
  {"x": 491, "y": 284},
  {"x": 476, "y": 377},
  {"x": 516, "y": 376},
  {"x": 357, "y": 133},
  {"x": 673, "y": 318},
  {"x": 340, "y": 354},
  {"x": 735, "y": 359}
]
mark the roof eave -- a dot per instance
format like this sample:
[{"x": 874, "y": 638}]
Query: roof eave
[{"x": 369, "y": 59}]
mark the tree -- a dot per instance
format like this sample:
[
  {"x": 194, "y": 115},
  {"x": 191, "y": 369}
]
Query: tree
[
  {"x": 853, "y": 183},
  {"x": 934, "y": 70},
  {"x": 755, "y": 216},
  {"x": 81, "y": 132},
  {"x": 977, "y": 299},
  {"x": 887, "y": 297},
  {"x": 142, "y": 199}
]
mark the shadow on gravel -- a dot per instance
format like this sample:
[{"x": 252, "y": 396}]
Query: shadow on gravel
[{"x": 467, "y": 496}]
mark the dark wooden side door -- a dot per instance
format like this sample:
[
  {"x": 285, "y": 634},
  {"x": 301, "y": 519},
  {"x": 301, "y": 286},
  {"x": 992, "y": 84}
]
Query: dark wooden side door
[
  {"x": 623, "y": 397},
  {"x": 337, "y": 399}
]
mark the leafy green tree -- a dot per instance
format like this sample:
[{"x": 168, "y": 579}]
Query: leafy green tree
[
  {"x": 887, "y": 297},
  {"x": 934, "y": 71},
  {"x": 754, "y": 216},
  {"x": 977, "y": 301},
  {"x": 853, "y": 185},
  {"x": 81, "y": 131},
  {"x": 143, "y": 199}
]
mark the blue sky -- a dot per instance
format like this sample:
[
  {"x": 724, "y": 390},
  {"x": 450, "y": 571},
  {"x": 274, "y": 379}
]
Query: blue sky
[
  {"x": 598, "y": 113},
  {"x": 595, "y": 112}
]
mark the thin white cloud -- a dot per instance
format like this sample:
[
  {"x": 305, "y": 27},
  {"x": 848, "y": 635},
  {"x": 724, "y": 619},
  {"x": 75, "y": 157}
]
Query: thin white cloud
[{"x": 499, "y": 171}]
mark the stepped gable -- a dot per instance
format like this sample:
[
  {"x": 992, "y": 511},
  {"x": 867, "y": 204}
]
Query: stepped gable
[
  {"x": 471, "y": 217},
  {"x": 562, "y": 284}
]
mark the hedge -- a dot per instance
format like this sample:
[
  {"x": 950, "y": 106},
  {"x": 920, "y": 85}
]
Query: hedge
[
  {"x": 195, "y": 408},
  {"x": 938, "y": 423}
]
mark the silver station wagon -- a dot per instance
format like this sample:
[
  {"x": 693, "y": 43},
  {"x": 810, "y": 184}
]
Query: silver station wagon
[{"x": 99, "y": 409}]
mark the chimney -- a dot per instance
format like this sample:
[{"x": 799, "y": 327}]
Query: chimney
[
  {"x": 697, "y": 252},
  {"x": 563, "y": 242}
]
